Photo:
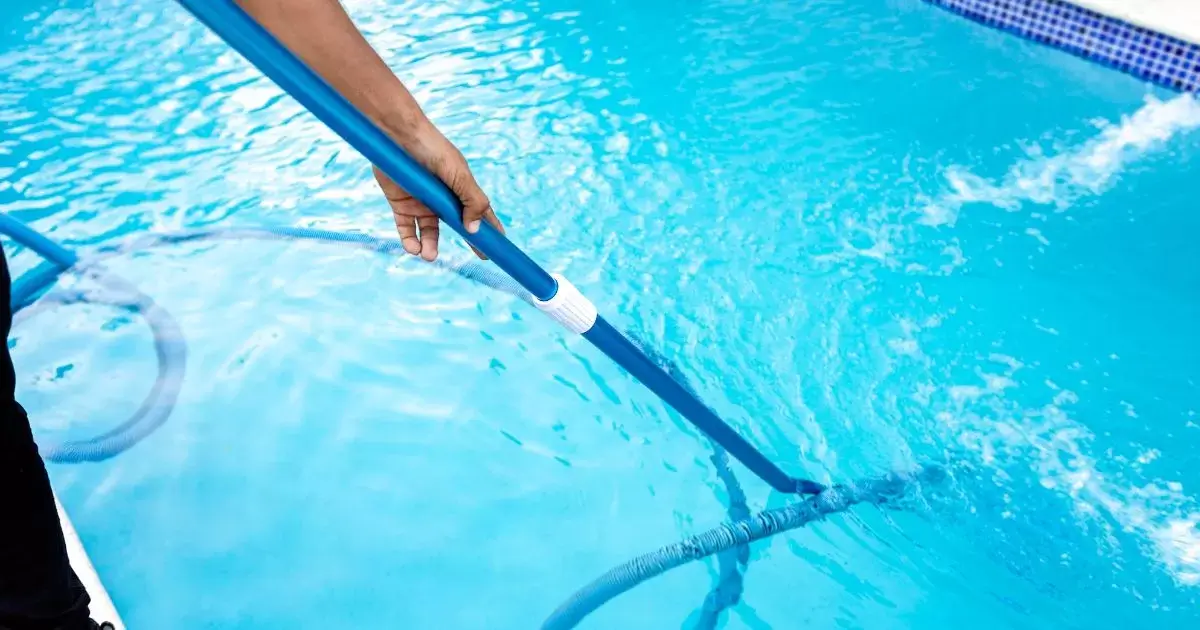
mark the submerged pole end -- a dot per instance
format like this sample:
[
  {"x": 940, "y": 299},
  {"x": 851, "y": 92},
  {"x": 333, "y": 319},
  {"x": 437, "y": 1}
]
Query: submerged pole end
[{"x": 806, "y": 486}]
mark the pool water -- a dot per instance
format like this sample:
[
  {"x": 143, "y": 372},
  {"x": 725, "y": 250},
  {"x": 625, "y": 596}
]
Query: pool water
[{"x": 872, "y": 233}]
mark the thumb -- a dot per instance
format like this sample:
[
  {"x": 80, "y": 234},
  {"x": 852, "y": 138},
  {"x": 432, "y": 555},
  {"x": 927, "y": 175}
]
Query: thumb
[
  {"x": 476, "y": 209},
  {"x": 475, "y": 203}
]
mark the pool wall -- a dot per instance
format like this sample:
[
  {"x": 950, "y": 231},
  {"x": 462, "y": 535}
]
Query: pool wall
[
  {"x": 1157, "y": 40},
  {"x": 102, "y": 608}
]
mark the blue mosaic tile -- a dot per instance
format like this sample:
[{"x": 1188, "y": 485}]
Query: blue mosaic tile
[{"x": 1156, "y": 57}]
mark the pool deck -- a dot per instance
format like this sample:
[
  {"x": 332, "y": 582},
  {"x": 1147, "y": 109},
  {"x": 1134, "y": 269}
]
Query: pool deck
[
  {"x": 1179, "y": 18},
  {"x": 101, "y": 606}
]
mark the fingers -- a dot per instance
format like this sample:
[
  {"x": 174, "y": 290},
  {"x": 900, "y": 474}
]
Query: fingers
[
  {"x": 419, "y": 234},
  {"x": 407, "y": 227},
  {"x": 419, "y": 228},
  {"x": 429, "y": 237}
]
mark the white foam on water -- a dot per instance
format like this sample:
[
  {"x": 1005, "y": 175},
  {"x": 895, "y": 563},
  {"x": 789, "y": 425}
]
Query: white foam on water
[
  {"x": 1062, "y": 178},
  {"x": 1159, "y": 512},
  {"x": 1059, "y": 449},
  {"x": 983, "y": 418},
  {"x": 1055, "y": 178}
]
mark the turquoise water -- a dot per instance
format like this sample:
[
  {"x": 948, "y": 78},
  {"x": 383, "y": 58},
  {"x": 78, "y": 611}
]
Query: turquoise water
[{"x": 871, "y": 232}]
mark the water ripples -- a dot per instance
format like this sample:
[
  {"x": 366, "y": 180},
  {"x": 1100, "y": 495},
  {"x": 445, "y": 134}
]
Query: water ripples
[{"x": 863, "y": 235}]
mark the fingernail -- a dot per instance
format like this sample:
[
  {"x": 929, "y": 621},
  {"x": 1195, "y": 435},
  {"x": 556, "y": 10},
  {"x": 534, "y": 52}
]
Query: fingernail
[{"x": 473, "y": 226}]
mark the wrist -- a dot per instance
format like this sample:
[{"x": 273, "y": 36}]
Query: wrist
[
  {"x": 425, "y": 143},
  {"x": 408, "y": 126}
]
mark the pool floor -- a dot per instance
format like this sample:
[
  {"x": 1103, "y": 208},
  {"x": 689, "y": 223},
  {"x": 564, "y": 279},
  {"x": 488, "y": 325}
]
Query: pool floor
[{"x": 872, "y": 234}]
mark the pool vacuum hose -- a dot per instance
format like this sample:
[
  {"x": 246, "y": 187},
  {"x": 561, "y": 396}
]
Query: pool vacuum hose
[{"x": 551, "y": 294}]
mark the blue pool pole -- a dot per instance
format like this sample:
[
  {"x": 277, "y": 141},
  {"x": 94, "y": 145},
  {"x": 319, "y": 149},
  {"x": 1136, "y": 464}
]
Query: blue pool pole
[
  {"x": 554, "y": 295},
  {"x": 58, "y": 259},
  {"x": 62, "y": 257}
]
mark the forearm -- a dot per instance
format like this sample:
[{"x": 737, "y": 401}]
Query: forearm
[{"x": 323, "y": 36}]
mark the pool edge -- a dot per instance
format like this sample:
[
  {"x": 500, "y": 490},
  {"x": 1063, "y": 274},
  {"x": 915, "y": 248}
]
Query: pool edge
[
  {"x": 1139, "y": 15},
  {"x": 1079, "y": 27},
  {"x": 102, "y": 607}
]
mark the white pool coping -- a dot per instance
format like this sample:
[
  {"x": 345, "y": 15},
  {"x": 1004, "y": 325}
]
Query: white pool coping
[
  {"x": 102, "y": 607},
  {"x": 1179, "y": 18}
]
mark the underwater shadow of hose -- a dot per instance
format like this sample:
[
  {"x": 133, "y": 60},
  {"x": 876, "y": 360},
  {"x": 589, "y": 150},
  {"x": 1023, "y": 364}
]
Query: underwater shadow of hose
[
  {"x": 172, "y": 353},
  {"x": 838, "y": 498},
  {"x": 29, "y": 297},
  {"x": 156, "y": 407},
  {"x": 169, "y": 347},
  {"x": 731, "y": 540}
]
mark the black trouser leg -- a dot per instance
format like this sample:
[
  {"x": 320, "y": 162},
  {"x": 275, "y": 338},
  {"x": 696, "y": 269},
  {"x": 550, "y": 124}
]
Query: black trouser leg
[{"x": 38, "y": 589}]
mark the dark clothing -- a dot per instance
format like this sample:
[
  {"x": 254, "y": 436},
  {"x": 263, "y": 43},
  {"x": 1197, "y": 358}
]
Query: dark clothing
[{"x": 38, "y": 588}]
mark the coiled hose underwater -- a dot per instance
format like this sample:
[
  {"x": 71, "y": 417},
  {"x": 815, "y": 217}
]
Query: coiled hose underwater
[
  {"x": 730, "y": 541},
  {"x": 553, "y": 295}
]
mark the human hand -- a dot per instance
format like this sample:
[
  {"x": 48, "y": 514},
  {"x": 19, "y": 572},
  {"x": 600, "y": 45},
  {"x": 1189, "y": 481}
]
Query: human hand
[
  {"x": 417, "y": 224},
  {"x": 322, "y": 34}
]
